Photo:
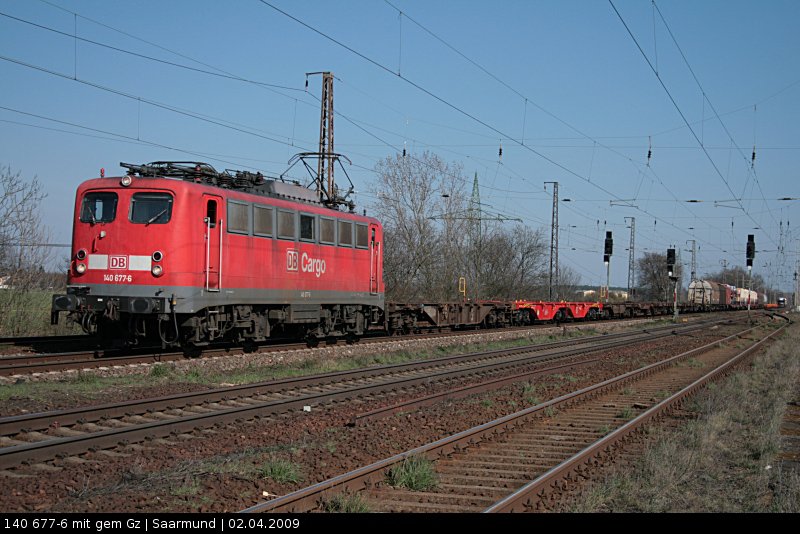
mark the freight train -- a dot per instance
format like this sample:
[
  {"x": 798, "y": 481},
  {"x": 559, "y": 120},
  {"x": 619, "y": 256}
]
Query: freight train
[
  {"x": 707, "y": 295},
  {"x": 184, "y": 255}
]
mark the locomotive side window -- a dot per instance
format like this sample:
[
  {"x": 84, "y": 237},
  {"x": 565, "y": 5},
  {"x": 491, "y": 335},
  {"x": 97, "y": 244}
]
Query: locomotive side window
[
  {"x": 306, "y": 227},
  {"x": 362, "y": 236},
  {"x": 327, "y": 229},
  {"x": 151, "y": 208},
  {"x": 286, "y": 224},
  {"x": 238, "y": 217},
  {"x": 99, "y": 207},
  {"x": 345, "y": 233},
  {"x": 262, "y": 221},
  {"x": 211, "y": 213}
]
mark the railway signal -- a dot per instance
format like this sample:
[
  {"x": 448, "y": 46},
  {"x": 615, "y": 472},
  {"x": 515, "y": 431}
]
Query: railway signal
[
  {"x": 608, "y": 250},
  {"x": 751, "y": 250},
  {"x": 671, "y": 263},
  {"x": 673, "y": 277}
]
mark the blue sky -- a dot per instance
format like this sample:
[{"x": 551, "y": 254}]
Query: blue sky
[{"x": 561, "y": 85}]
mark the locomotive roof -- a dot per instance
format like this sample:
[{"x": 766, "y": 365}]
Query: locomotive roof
[{"x": 245, "y": 181}]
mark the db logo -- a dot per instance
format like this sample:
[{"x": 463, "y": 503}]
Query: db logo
[
  {"x": 118, "y": 262},
  {"x": 292, "y": 260}
]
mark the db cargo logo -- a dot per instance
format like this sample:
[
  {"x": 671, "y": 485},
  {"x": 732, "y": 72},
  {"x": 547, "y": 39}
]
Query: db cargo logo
[
  {"x": 118, "y": 262},
  {"x": 307, "y": 264},
  {"x": 292, "y": 260}
]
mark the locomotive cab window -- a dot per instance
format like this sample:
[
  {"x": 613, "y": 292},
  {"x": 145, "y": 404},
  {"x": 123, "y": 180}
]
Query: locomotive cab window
[
  {"x": 307, "y": 227},
  {"x": 238, "y": 217},
  {"x": 99, "y": 207},
  {"x": 151, "y": 208}
]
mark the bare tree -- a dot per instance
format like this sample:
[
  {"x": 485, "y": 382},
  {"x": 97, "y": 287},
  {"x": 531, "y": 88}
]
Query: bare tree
[
  {"x": 421, "y": 205},
  {"x": 510, "y": 262},
  {"x": 739, "y": 277},
  {"x": 24, "y": 308},
  {"x": 434, "y": 237},
  {"x": 653, "y": 277},
  {"x": 568, "y": 282}
]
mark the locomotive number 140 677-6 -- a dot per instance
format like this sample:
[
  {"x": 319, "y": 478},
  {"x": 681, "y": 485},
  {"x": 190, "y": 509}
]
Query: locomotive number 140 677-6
[{"x": 118, "y": 278}]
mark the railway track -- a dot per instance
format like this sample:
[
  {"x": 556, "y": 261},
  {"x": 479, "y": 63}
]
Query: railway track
[
  {"x": 522, "y": 461},
  {"x": 27, "y": 363},
  {"x": 40, "y": 437}
]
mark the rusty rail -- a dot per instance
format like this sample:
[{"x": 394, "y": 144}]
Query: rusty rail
[{"x": 369, "y": 476}]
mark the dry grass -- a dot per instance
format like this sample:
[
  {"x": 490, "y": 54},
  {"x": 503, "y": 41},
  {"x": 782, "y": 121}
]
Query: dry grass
[{"x": 724, "y": 458}]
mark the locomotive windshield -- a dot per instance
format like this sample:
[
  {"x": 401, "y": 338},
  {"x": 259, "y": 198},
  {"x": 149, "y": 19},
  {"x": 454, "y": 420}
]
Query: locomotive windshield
[
  {"x": 99, "y": 207},
  {"x": 151, "y": 208}
]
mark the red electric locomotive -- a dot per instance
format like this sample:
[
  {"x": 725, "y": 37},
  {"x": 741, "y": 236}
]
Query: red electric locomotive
[{"x": 181, "y": 253}]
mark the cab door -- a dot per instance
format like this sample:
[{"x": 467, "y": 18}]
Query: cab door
[
  {"x": 375, "y": 261},
  {"x": 212, "y": 232}
]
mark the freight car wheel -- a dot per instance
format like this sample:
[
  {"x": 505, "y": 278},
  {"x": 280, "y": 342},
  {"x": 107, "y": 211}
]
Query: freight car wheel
[
  {"x": 312, "y": 342},
  {"x": 192, "y": 351}
]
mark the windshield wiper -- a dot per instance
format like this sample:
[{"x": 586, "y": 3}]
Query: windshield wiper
[
  {"x": 159, "y": 214},
  {"x": 91, "y": 214}
]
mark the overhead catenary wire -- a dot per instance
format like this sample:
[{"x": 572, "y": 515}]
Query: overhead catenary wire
[
  {"x": 388, "y": 140},
  {"x": 244, "y": 79},
  {"x": 447, "y": 103}
]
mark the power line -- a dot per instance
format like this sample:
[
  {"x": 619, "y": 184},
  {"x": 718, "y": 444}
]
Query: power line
[
  {"x": 705, "y": 97},
  {"x": 680, "y": 112},
  {"x": 150, "y": 58},
  {"x": 447, "y": 103},
  {"x": 261, "y": 83},
  {"x": 154, "y": 103}
]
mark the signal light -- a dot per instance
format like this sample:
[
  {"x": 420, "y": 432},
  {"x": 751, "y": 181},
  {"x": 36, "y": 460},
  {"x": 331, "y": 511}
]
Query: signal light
[
  {"x": 608, "y": 250},
  {"x": 671, "y": 261},
  {"x": 751, "y": 247}
]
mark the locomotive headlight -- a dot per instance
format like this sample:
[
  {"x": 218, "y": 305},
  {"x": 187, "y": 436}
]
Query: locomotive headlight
[
  {"x": 157, "y": 270},
  {"x": 158, "y": 255},
  {"x": 125, "y": 181},
  {"x": 81, "y": 255},
  {"x": 80, "y": 268}
]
